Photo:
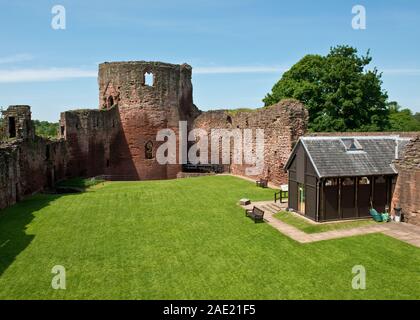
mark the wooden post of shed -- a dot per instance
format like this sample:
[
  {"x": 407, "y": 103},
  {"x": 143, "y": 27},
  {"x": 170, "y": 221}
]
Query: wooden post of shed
[
  {"x": 356, "y": 181},
  {"x": 339, "y": 198}
]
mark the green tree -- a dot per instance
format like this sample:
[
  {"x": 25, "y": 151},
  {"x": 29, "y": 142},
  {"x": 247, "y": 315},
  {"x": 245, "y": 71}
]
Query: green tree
[
  {"x": 46, "y": 129},
  {"x": 340, "y": 94},
  {"x": 402, "y": 119}
]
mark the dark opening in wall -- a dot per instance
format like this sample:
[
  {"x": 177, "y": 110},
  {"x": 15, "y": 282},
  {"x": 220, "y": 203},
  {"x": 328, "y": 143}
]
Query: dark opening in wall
[
  {"x": 229, "y": 119},
  {"x": 148, "y": 150},
  {"x": 149, "y": 79},
  {"x": 12, "y": 127},
  {"x": 62, "y": 130},
  {"x": 107, "y": 163},
  {"x": 110, "y": 102},
  {"x": 47, "y": 153}
]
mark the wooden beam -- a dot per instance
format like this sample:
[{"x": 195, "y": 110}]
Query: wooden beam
[
  {"x": 339, "y": 198},
  {"x": 356, "y": 180}
]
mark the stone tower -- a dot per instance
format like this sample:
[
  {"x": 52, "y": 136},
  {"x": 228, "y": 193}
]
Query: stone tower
[
  {"x": 136, "y": 100},
  {"x": 17, "y": 122},
  {"x": 149, "y": 96}
]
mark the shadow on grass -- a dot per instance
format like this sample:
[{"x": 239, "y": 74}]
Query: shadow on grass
[
  {"x": 13, "y": 224},
  {"x": 15, "y": 219},
  {"x": 76, "y": 185}
]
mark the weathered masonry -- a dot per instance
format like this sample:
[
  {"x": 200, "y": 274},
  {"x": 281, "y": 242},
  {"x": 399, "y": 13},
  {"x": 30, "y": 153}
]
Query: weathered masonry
[
  {"x": 136, "y": 100},
  {"x": 28, "y": 163},
  {"x": 118, "y": 139},
  {"x": 407, "y": 189},
  {"x": 283, "y": 124},
  {"x": 334, "y": 178}
]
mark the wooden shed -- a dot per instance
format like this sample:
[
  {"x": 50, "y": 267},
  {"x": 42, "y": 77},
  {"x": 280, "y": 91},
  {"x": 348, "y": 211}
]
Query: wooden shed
[{"x": 337, "y": 178}]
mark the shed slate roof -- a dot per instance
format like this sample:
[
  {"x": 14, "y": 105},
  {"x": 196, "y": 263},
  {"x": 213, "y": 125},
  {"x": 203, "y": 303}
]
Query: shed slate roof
[{"x": 332, "y": 157}]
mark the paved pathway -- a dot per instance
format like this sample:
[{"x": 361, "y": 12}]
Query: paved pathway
[
  {"x": 405, "y": 232},
  {"x": 401, "y": 231}
]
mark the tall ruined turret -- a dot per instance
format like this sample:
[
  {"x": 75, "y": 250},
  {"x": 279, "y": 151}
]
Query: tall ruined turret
[
  {"x": 136, "y": 100},
  {"x": 149, "y": 96},
  {"x": 155, "y": 86}
]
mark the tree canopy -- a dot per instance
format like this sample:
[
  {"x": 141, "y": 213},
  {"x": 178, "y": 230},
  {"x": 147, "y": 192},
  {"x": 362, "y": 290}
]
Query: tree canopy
[
  {"x": 402, "y": 119},
  {"x": 46, "y": 129},
  {"x": 338, "y": 90}
]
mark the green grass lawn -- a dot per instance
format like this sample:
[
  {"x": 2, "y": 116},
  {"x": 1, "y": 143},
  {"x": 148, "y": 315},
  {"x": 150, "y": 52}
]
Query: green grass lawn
[
  {"x": 185, "y": 239},
  {"x": 301, "y": 224}
]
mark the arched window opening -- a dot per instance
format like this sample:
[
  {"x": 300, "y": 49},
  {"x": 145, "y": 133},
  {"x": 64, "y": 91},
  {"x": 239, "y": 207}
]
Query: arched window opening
[
  {"x": 229, "y": 119},
  {"x": 330, "y": 182},
  {"x": 148, "y": 150},
  {"x": 364, "y": 180},
  {"x": 149, "y": 79},
  {"x": 110, "y": 102}
]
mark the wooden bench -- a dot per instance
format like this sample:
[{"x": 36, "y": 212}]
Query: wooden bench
[
  {"x": 255, "y": 213},
  {"x": 263, "y": 183}
]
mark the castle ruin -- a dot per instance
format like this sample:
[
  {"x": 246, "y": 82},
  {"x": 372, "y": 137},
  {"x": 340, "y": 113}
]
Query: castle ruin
[{"x": 118, "y": 140}]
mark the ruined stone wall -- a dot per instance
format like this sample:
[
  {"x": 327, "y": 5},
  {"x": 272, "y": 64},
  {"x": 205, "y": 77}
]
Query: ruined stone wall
[
  {"x": 9, "y": 167},
  {"x": 28, "y": 163},
  {"x": 113, "y": 139},
  {"x": 92, "y": 138},
  {"x": 407, "y": 188},
  {"x": 17, "y": 122},
  {"x": 29, "y": 166},
  {"x": 143, "y": 110},
  {"x": 282, "y": 123}
]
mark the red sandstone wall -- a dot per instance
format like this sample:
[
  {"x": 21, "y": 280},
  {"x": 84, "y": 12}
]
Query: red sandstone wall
[
  {"x": 92, "y": 139},
  {"x": 26, "y": 167},
  {"x": 9, "y": 167},
  {"x": 407, "y": 188},
  {"x": 28, "y": 163},
  {"x": 143, "y": 110},
  {"x": 282, "y": 123}
]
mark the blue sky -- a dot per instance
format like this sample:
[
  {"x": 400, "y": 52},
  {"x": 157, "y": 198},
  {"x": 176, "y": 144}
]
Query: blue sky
[{"x": 238, "y": 48}]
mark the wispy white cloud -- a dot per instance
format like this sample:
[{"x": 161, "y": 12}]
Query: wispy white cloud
[
  {"x": 16, "y": 58},
  {"x": 54, "y": 74},
  {"x": 401, "y": 72},
  {"x": 238, "y": 69},
  {"x": 49, "y": 74}
]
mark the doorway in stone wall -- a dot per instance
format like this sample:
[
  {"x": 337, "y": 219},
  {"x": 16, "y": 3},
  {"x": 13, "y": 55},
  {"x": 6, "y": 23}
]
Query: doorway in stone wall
[{"x": 12, "y": 127}]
